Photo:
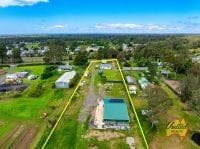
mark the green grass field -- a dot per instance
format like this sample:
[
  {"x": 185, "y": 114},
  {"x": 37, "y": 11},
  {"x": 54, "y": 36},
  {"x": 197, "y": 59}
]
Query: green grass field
[
  {"x": 18, "y": 109},
  {"x": 70, "y": 133}
]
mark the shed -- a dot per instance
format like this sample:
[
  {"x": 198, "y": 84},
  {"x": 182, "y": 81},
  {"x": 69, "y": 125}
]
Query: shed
[
  {"x": 115, "y": 110},
  {"x": 64, "y": 80},
  {"x": 106, "y": 66},
  {"x": 130, "y": 80},
  {"x": 132, "y": 89},
  {"x": 143, "y": 82}
]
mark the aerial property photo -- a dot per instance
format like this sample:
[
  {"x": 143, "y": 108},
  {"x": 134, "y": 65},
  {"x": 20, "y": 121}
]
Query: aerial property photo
[{"x": 99, "y": 74}]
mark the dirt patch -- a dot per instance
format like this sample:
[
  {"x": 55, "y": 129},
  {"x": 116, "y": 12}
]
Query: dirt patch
[
  {"x": 174, "y": 85},
  {"x": 104, "y": 135},
  {"x": 172, "y": 142},
  {"x": 20, "y": 137},
  {"x": 90, "y": 101},
  {"x": 12, "y": 136},
  {"x": 2, "y": 123},
  {"x": 26, "y": 138}
]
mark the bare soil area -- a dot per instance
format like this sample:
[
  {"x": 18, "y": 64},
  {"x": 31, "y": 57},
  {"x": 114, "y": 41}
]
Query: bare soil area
[
  {"x": 20, "y": 137},
  {"x": 173, "y": 85},
  {"x": 104, "y": 135}
]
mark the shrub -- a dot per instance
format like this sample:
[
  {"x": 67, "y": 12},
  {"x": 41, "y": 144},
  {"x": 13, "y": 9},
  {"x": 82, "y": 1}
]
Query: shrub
[
  {"x": 48, "y": 72},
  {"x": 171, "y": 76},
  {"x": 36, "y": 92}
]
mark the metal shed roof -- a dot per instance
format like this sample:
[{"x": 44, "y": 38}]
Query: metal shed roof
[
  {"x": 66, "y": 77},
  {"x": 115, "y": 109}
]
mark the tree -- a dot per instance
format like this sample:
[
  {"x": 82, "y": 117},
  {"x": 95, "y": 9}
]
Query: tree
[
  {"x": 16, "y": 57},
  {"x": 107, "y": 52},
  {"x": 195, "y": 70},
  {"x": 180, "y": 62},
  {"x": 81, "y": 58},
  {"x": 3, "y": 52},
  {"x": 158, "y": 104},
  {"x": 56, "y": 52},
  {"x": 195, "y": 101},
  {"x": 190, "y": 83},
  {"x": 152, "y": 67}
]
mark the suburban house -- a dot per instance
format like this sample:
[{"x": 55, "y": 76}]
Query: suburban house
[
  {"x": 143, "y": 82},
  {"x": 165, "y": 72},
  {"x": 132, "y": 89},
  {"x": 115, "y": 114},
  {"x": 65, "y": 68},
  {"x": 92, "y": 49},
  {"x": 64, "y": 80},
  {"x": 130, "y": 80},
  {"x": 106, "y": 66}
]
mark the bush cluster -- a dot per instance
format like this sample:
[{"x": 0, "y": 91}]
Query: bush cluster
[{"x": 48, "y": 72}]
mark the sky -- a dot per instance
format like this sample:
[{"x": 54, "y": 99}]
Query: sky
[{"x": 99, "y": 16}]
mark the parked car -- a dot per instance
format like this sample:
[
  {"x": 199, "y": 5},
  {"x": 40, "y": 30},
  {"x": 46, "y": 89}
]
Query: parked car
[{"x": 32, "y": 77}]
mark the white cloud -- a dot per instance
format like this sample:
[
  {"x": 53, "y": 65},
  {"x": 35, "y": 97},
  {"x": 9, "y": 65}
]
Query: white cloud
[
  {"x": 132, "y": 27},
  {"x": 57, "y": 27},
  {"x": 119, "y": 26},
  {"x": 6, "y": 3}
]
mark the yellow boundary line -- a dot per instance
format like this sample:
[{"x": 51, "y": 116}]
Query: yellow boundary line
[
  {"x": 133, "y": 107},
  {"x": 61, "y": 115},
  {"x": 78, "y": 85}
]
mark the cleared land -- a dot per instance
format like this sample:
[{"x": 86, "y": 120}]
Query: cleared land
[
  {"x": 71, "y": 133},
  {"x": 21, "y": 122}
]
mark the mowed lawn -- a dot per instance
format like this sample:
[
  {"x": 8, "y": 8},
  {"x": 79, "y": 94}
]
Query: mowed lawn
[
  {"x": 22, "y": 109},
  {"x": 18, "y": 109}
]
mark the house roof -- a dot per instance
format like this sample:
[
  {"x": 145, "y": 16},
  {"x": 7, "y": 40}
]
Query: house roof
[
  {"x": 65, "y": 67},
  {"x": 105, "y": 65},
  {"x": 115, "y": 109},
  {"x": 130, "y": 79},
  {"x": 66, "y": 77}
]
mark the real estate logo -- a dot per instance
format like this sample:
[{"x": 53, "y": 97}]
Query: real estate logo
[{"x": 177, "y": 127}]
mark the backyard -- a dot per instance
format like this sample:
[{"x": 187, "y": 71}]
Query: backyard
[{"x": 75, "y": 133}]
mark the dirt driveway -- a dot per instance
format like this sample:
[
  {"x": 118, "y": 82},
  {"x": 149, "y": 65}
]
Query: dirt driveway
[{"x": 90, "y": 101}]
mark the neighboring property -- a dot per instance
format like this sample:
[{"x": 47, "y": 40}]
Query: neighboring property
[
  {"x": 22, "y": 74},
  {"x": 143, "y": 82},
  {"x": 2, "y": 72},
  {"x": 92, "y": 49},
  {"x": 164, "y": 72},
  {"x": 115, "y": 114},
  {"x": 135, "y": 68},
  {"x": 64, "y": 80},
  {"x": 130, "y": 80},
  {"x": 65, "y": 68},
  {"x": 106, "y": 66},
  {"x": 132, "y": 89},
  {"x": 196, "y": 59}
]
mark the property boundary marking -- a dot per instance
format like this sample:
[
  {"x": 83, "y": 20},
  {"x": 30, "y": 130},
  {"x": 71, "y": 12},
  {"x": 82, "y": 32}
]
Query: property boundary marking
[
  {"x": 66, "y": 106},
  {"x": 133, "y": 107},
  {"x": 77, "y": 87}
]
